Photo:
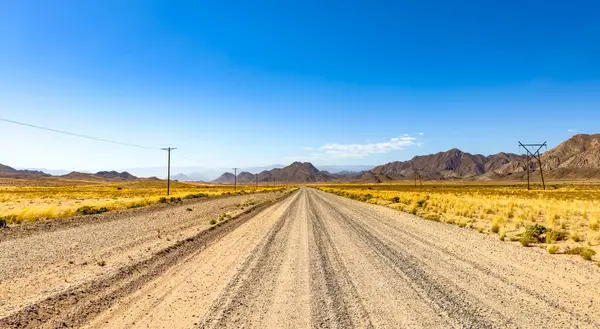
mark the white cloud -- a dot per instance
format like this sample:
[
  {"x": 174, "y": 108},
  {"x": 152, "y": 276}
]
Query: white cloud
[
  {"x": 336, "y": 150},
  {"x": 421, "y": 134},
  {"x": 572, "y": 130},
  {"x": 308, "y": 148}
]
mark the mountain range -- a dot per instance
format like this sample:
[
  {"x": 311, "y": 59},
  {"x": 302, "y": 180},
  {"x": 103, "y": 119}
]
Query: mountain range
[{"x": 576, "y": 158}]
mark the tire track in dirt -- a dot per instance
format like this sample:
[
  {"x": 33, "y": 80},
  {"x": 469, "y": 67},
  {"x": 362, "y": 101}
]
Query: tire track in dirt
[
  {"x": 336, "y": 303},
  {"x": 248, "y": 294},
  {"x": 407, "y": 239},
  {"x": 78, "y": 306},
  {"x": 453, "y": 303},
  {"x": 496, "y": 278}
]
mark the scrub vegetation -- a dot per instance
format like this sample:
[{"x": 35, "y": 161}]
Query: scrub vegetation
[
  {"x": 564, "y": 216},
  {"x": 20, "y": 203}
]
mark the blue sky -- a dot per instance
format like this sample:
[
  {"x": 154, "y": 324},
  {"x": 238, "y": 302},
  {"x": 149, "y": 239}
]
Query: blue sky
[{"x": 259, "y": 82}]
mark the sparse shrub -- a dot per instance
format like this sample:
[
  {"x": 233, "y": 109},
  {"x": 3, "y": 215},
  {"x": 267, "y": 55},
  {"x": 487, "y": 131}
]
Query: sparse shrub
[
  {"x": 102, "y": 263},
  {"x": 502, "y": 236},
  {"x": 462, "y": 224},
  {"x": 3, "y": 223},
  {"x": 213, "y": 221},
  {"x": 189, "y": 209},
  {"x": 575, "y": 237},
  {"x": 87, "y": 210},
  {"x": 162, "y": 200},
  {"x": 421, "y": 203},
  {"x": 495, "y": 227},
  {"x": 480, "y": 229},
  {"x": 555, "y": 235},
  {"x": 136, "y": 205},
  {"x": 552, "y": 249},
  {"x": 395, "y": 199},
  {"x": 533, "y": 234},
  {"x": 368, "y": 197},
  {"x": 587, "y": 253},
  {"x": 525, "y": 240}
]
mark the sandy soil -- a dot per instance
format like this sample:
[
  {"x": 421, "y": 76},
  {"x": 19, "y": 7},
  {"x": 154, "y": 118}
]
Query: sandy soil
[
  {"x": 40, "y": 260},
  {"x": 315, "y": 260}
]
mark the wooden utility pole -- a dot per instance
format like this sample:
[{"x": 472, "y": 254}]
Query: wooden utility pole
[
  {"x": 235, "y": 179},
  {"x": 169, "y": 149},
  {"x": 536, "y": 156}
]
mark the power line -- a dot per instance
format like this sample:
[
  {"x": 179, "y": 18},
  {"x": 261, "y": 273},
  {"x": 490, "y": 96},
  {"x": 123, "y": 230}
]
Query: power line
[{"x": 77, "y": 135}]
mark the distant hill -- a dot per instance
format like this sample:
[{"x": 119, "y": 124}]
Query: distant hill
[
  {"x": 6, "y": 171},
  {"x": 100, "y": 176},
  {"x": 297, "y": 172},
  {"x": 114, "y": 175},
  {"x": 246, "y": 177},
  {"x": 226, "y": 178}
]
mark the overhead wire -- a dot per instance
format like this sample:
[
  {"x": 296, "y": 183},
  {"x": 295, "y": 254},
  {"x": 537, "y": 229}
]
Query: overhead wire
[{"x": 77, "y": 135}]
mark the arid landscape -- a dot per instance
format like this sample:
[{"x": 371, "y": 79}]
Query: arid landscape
[
  {"x": 108, "y": 250},
  {"x": 299, "y": 164}
]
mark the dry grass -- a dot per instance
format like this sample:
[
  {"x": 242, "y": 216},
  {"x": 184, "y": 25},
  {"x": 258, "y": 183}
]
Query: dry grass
[
  {"x": 30, "y": 202},
  {"x": 570, "y": 213}
]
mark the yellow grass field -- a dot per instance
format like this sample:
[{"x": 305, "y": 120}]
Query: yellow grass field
[
  {"x": 27, "y": 201},
  {"x": 564, "y": 218}
]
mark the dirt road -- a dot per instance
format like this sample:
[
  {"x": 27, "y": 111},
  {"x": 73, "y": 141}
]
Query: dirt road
[{"x": 315, "y": 260}]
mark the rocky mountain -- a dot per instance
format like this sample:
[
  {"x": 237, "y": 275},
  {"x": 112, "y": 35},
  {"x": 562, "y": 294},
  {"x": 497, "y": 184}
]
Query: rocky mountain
[
  {"x": 226, "y": 178},
  {"x": 246, "y": 177},
  {"x": 297, "y": 172},
  {"x": 114, "y": 175},
  {"x": 301, "y": 172},
  {"x": 6, "y": 171},
  {"x": 580, "y": 151},
  {"x": 452, "y": 164},
  {"x": 100, "y": 176}
]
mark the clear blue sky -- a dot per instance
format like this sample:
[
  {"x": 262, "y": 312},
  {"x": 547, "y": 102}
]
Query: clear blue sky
[{"x": 261, "y": 82}]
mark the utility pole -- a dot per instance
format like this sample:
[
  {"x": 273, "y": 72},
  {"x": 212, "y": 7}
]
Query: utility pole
[
  {"x": 169, "y": 149},
  {"x": 417, "y": 175},
  {"x": 235, "y": 179},
  {"x": 536, "y": 156}
]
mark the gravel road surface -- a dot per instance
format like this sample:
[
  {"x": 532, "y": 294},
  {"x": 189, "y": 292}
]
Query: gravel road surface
[{"x": 309, "y": 260}]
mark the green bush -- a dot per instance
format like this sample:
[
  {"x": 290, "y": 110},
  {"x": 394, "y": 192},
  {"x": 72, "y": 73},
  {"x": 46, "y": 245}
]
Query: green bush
[
  {"x": 395, "y": 199},
  {"x": 533, "y": 234},
  {"x": 162, "y": 200},
  {"x": 213, "y": 221}
]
